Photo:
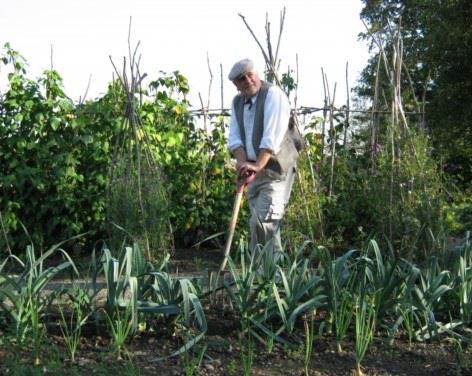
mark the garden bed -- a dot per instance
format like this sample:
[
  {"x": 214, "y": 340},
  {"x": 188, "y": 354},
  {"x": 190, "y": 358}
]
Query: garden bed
[
  {"x": 223, "y": 356},
  {"x": 147, "y": 352}
]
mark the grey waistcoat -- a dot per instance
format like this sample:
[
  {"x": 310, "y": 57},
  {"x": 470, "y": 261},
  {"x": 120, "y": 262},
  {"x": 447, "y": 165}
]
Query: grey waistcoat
[{"x": 287, "y": 156}]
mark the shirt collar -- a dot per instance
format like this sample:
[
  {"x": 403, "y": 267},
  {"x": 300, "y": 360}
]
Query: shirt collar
[{"x": 251, "y": 100}]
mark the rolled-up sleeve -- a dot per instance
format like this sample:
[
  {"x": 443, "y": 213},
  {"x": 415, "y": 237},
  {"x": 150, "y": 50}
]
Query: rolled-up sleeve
[
  {"x": 276, "y": 118},
  {"x": 234, "y": 136}
]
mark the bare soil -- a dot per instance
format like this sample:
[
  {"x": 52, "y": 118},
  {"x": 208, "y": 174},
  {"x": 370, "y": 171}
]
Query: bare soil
[{"x": 223, "y": 357}]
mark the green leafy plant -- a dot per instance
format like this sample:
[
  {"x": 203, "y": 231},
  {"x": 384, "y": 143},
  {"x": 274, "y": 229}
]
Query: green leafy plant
[
  {"x": 232, "y": 367},
  {"x": 270, "y": 343},
  {"x": 309, "y": 326},
  {"x": 49, "y": 150},
  {"x": 135, "y": 285},
  {"x": 384, "y": 281},
  {"x": 337, "y": 281},
  {"x": 408, "y": 318},
  {"x": 463, "y": 363},
  {"x": 71, "y": 327},
  {"x": 250, "y": 294},
  {"x": 22, "y": 296},
  {"x": 144, "y": 216},
  {"x": 119, "y": 326},
  {"x": 119, "y": 277},
  {"x": 188, "y": 167},
  {"x": 365, "y": 324},
  {"x": 37, "y": 331},
  {"x": 343, "y": 318},
  {"x": 462, "y": 284},
  {"x": 298, "y": 291},
  {"x": 246, "y": 344},
  {"x": 427, "y": 296},
  {"x": 403, "y": 312},
  {"x": 192, "y": 359}
]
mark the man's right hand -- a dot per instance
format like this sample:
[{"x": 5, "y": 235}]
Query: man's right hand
[{"x": 248, "y": 168}]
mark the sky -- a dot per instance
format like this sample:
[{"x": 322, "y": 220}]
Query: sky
[{"x": 179, "y": 35}]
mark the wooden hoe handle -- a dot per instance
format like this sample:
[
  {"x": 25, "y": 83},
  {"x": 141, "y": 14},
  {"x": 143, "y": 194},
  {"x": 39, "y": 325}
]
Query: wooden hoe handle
[{"x": 242, "y": 183}]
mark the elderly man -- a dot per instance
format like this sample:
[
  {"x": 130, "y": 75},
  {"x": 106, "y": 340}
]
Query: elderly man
[{"x": 260, "y": 140}]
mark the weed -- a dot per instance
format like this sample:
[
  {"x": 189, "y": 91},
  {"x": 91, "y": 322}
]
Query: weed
[{"x": 232, "y": 367}]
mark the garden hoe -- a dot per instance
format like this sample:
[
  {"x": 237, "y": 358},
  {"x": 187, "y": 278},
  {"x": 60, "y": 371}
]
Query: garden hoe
[{"x": 240, "y": 186}]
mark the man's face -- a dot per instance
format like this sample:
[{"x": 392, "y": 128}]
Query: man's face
[{"x": 248, "y": 85}]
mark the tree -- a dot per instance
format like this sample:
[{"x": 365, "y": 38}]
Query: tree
[{"x": 437, "y": 38}]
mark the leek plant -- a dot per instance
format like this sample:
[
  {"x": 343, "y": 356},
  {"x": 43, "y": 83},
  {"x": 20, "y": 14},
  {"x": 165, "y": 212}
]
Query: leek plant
[
  {"x": 337, "y": 281},
  {"x": 263, "y": 292},
  {"x": 463, "y": 364},
  {"x": 136, "y": 286},
  {"x": 37, "y": 331},
  {"x": 192, "y": 359},
  {"x": 408, "y": 318},
  {"x": 177, "y": 300},
  {"x": 119, "y": 326},
  {"x": 365, "y": 324},
  {"x": 173, "y": 297},
  {"x": 384, "y": 281},
  {"x": 404, "y": 313},
  {"x": 121, "y": 276},
  {"x": 22, "y": 297},
  {"x": 246, "y": 345},
  {"x": 251, "y": 295},
  {"x": 427, "y": 296},
  {"x": 299, "y": 292},
  {"x": 71, "y": 332},
  {"x": 71, "y": 328},
  {"x": 131, "y": 281},
  {"x": 335, "y": 275},
  {"x": 270, "y": 343},
  {"x": 343, "y": 318},
  {"x": 463, "y": 284},
  {"x": 309, "y": 326}
]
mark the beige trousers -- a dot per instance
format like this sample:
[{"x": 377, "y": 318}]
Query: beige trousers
[{"x": 268, "y": 199}]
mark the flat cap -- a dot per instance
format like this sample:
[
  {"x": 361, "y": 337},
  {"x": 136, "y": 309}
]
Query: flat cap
[{"x": 240, "y": 68}]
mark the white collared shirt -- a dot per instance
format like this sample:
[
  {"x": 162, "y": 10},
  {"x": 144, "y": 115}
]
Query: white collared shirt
[{"x": 276, "y": 118}]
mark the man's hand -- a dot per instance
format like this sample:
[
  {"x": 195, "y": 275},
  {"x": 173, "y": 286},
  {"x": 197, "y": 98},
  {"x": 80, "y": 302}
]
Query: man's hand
[{"x": 246, "y": 168}]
